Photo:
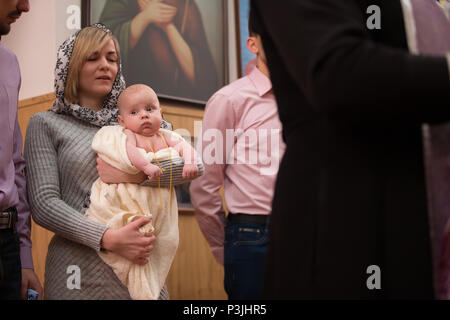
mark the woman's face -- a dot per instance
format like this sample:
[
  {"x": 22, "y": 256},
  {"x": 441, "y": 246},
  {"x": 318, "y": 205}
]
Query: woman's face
[{"x": 98, "y": 73}]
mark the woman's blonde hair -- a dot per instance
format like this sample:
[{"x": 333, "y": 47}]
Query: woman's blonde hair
[{"x": 89, "y": 40}]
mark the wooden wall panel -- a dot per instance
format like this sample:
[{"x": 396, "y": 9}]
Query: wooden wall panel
[
  {"x": 194, "y": 274},
  {"x": 182, "y": 117}
]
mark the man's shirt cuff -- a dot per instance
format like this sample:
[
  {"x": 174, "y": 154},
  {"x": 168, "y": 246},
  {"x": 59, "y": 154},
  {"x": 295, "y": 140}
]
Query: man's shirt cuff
[{"x": 26, "y": 258}]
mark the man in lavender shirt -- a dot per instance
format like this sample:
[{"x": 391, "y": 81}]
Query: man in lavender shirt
[
  {"x": 243, "y": 118},
  {"x": 16, "y": 264}
]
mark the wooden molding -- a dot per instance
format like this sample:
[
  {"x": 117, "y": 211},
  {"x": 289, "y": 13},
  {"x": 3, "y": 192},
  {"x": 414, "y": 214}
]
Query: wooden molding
[{"x": 45, "y": 98}]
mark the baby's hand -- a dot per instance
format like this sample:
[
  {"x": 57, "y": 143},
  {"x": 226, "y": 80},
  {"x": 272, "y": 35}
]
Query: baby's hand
[
  {"x": 153, "y": 172},
  {"x": 190, "y": 171}
]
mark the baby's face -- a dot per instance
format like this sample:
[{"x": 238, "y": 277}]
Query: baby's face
[{"x": 140, "y": 112}]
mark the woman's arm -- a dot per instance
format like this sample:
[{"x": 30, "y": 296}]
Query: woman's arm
[
  {"x": 205, "y": 80},
  {"x": 172, "y": 175},
  {"x": 181, "y": 50},
  {"x": 44, "y": 193},
  {"x": 51, "y": 212},
  {"x": 161, "y": 15},
  {"x": 128, "y": 22},
  {"x": 110, "y": 174}
]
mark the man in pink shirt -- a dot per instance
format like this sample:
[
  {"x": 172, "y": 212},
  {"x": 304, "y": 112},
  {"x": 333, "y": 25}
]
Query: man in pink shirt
[
  {"x": 16, "y": 264},
  {"x": 241, "y": 147}
]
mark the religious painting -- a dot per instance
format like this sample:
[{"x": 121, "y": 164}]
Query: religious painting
[{"x": 177, "y": 47}]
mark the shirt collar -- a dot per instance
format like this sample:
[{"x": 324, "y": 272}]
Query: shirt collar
[{"x": 261, "y": 82}]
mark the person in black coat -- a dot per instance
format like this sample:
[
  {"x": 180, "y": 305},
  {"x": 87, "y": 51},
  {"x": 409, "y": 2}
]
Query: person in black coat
[{"x": 349, "y": 217}]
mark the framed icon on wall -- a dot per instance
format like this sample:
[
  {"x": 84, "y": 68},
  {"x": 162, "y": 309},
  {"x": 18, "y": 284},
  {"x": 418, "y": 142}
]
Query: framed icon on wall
[{"x": 177, "y": 47}]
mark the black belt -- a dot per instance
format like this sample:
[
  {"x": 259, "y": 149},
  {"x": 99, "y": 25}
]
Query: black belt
[
  {"x": 250, "y": 218},
  {"x": 8, "y": 218}
]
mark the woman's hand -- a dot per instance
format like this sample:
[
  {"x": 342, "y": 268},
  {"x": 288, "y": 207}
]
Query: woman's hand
[
  {"x": 129, "y": 242},
  {"x": 152, "y": 12},
  {"x": 109, "y": 174},
  {"x": 157, "y": 12}
]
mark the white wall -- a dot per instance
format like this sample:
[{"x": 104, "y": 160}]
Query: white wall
[
  {"x": 67, "y": 19},
  {"x": 32, "y": 38},
  {"x": 35, "y": 37}
]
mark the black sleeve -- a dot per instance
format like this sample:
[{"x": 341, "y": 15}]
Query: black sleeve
[{"x": 338, "y": 66}]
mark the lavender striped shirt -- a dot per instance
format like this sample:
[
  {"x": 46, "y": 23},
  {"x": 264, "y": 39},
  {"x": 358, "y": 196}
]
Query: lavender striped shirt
[{"x": 12, "y": 164}]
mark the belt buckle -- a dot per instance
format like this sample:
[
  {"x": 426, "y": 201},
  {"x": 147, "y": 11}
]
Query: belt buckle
[
  {"x": 11, "y": 213},
  {"x": 12, "y": 219}
]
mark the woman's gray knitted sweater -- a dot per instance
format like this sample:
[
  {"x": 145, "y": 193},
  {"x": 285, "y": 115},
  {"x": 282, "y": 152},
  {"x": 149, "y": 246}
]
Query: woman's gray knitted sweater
[{"x": 61, "y": 168}]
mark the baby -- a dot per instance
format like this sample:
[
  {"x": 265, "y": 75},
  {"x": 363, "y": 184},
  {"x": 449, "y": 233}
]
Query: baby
[
  {"x": 139, "y": 144},
  {"x": 140, "y": 114}
]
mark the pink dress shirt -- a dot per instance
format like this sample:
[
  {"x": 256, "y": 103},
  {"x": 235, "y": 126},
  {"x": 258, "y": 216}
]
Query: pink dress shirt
[
  {"x": 12, "y": 181},
  {"x": 241, "y": 147}
]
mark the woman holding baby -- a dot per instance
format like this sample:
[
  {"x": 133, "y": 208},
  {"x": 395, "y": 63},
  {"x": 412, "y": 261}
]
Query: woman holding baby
[{"x": 61, "y": 168}]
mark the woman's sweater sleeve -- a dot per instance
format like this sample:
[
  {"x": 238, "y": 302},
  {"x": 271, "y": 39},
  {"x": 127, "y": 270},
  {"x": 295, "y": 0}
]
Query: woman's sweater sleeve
[{"x": 47, "y": 207}]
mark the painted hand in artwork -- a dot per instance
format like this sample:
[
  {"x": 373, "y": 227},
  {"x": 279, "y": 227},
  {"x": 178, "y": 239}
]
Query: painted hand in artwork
[{"x": 157, "y": 12}]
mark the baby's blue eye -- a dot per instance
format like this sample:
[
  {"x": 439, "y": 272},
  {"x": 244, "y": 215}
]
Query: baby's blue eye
[
  {"x": 149, "y": 109},
  {"x": 133, "y": 112}
]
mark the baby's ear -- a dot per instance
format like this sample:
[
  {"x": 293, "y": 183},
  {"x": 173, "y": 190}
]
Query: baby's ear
[{"x": 119, "y": 117}]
